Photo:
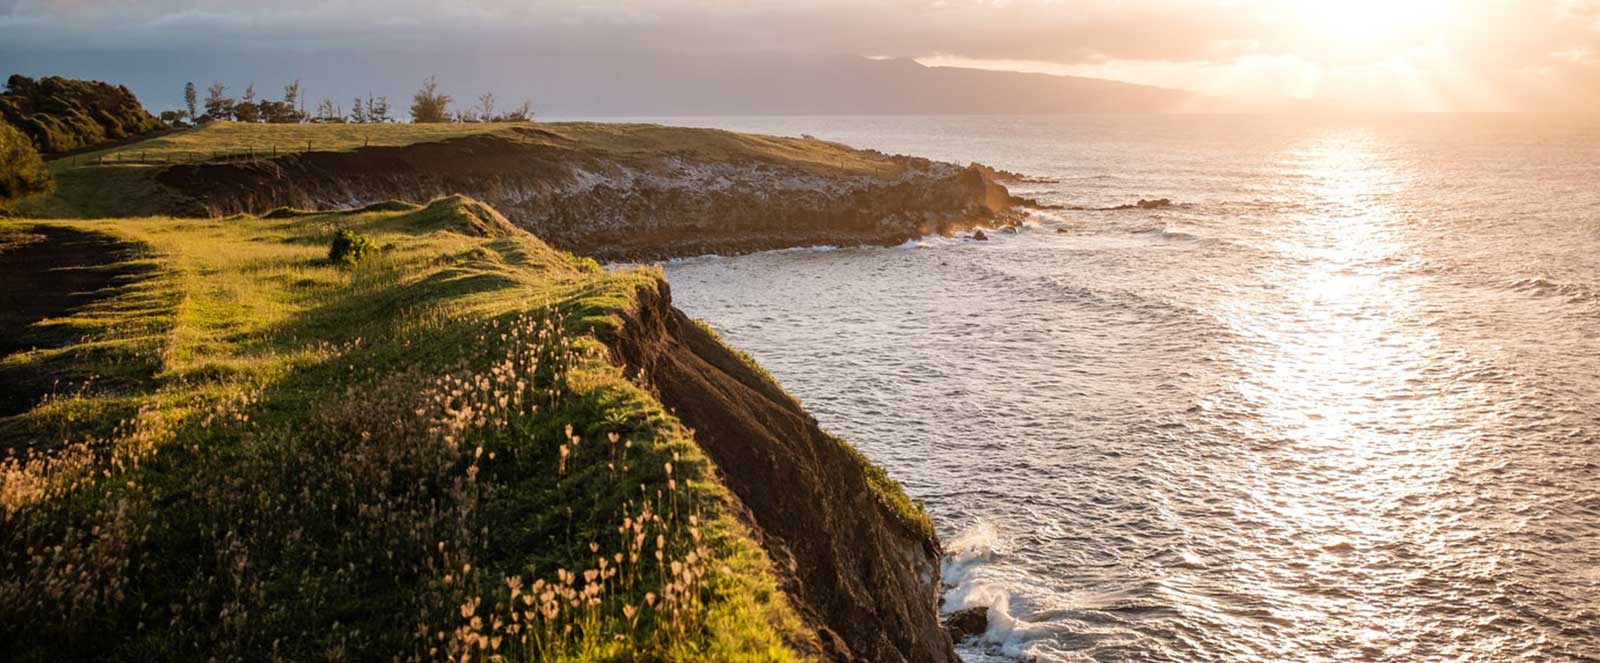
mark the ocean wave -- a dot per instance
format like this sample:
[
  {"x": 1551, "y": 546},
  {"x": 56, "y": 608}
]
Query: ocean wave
[
  {"x": 1544, "y": 286},
  {"x": 967, "y": 585}
]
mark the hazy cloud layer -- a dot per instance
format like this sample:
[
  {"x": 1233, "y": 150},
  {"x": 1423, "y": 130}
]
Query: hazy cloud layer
[{"x": 1468, "y": 53}]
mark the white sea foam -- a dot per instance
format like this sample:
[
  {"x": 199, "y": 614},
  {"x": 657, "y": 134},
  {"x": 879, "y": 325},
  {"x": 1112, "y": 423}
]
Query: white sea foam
[{"x": 969, "y": 584}]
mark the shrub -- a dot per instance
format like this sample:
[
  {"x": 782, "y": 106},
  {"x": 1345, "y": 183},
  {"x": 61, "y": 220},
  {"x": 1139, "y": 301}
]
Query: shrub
[
  {"x": 350, "y": 247},
  {"x": 63, "y": 114},
  {"x": 21, "y": 170}
]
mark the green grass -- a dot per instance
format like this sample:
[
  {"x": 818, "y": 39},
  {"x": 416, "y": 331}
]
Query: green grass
[
  {"x": 120, "y": 181},
  {"x": 636, "y": 140},
  {"x": 96, "y": 192},
  {"x": 223, "y": 138},
  {"x": 253, "y": 452},
  {"x": 258, "y": 453},
  {"x": 616, "y": 139}
]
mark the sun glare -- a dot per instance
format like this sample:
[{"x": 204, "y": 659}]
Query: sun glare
[{"x": 1360, "y": 27}]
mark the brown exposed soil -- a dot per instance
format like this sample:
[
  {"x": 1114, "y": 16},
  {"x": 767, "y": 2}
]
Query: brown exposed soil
[
  {"x": 47, "y": 272},
  {"x": 864, "y": 580}
]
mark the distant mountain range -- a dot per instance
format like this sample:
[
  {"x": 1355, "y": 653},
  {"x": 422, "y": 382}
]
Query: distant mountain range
[
  {"x": 616, "y": 84},
  {"x": 799, "y": 85}
]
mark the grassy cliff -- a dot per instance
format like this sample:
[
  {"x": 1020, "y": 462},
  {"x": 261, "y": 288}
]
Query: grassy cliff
[
  {"x": 217, "y": 441},
  {"x": 416, "y": 161},
  {"x": 254, "y": 450}
]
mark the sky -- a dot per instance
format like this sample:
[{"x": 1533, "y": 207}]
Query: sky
[{"x": 1477, "y": 55}]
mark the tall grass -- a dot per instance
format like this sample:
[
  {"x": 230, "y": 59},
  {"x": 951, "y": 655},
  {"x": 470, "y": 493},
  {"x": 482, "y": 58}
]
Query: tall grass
[{"x": 425, "y": 457}]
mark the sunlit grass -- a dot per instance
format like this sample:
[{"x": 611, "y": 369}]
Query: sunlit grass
[
  {"x": 120, "y": 181},
  {"x": 260, "y": 454},
  {"x": 265, "y": 140}
]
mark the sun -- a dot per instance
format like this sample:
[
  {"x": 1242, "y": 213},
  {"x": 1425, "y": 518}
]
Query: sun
[{"x": 1370, "y": 27}]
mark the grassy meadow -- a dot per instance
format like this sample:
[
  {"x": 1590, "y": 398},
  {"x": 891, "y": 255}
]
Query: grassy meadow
[
  {"x": 119, "y": 181},
  {"x": 255, "y": 453},
  {"x": 234, "y": 138}
]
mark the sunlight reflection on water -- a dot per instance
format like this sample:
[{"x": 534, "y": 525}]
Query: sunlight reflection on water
[{"x": 1341, "y": 406}]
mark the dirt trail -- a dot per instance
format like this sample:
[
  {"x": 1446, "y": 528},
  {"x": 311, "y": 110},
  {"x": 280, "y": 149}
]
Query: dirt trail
[{"x": 46, "y": 272}]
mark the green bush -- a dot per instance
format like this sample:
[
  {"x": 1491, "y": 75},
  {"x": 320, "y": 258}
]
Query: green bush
[
  {"x": 21, "y": 170},
  {"x": 350, "y": 247},
  {"x": 64, "y": 114}
]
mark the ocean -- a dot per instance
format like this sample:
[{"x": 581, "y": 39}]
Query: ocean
[{"x": 1341, "y": 401}]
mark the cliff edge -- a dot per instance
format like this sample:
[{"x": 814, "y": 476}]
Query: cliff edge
[
  {"x": 864, "y": 572},
  {"x": 628, "y": 191},
  {"x": 459, "y": 444}
]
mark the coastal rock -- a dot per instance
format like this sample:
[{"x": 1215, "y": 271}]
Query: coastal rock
[
  {"x": 966, "y": 623},
  {"x": 980, "y": 236},
  {"x": 1009, "y": 177},
  {"x": 1158, "y": 203}
]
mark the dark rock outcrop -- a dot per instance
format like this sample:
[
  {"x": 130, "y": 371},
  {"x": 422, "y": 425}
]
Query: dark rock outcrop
[
  {"x": 1146, "y": 204},
  {"x": 616, "y": 206},
  {"x": 865, "y": 580},
  {"x": 980, "y": 236},
  {"x": 967, "y": 622}
]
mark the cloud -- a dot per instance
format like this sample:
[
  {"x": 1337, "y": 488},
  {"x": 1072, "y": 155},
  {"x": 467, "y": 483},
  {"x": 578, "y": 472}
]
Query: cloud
[{"x": 1202, "y": 44}]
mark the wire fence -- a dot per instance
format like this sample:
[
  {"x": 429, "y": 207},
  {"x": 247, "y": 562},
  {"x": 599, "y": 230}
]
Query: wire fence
[{"x": 172, "y": 157}]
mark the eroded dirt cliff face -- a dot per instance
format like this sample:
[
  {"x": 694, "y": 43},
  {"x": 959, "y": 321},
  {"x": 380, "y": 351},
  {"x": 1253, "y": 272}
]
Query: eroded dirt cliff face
[
  {"x": 620, "y": 206},
  {"x": 862, "y": 577}
]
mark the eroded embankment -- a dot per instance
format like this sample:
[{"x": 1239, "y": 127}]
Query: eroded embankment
[
  {"x": 628, "y": 205},
  {"x": 863, "y": 575}
]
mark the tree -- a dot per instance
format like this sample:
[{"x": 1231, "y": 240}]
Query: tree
[
  {"x": 329, "y": 113},
  {"x": 173, "y": 118},
  {"x": 249, "y": 96},
  {"x": 247, "y": 112},
  {"x": 377, "y": 109},
  {"x": 284, "y": 112},
  {"x": 357, "y": 114},
  {"x": 218, "y": 107},
  {"x": 486, "y": 107},
  {"x": 191, "y": 100},
  {"x": 429, "y": 104},
  {"x": 522, "y": 113},
  {"x": 61, "y": 114},
  {"x": 21, "y": 170}
]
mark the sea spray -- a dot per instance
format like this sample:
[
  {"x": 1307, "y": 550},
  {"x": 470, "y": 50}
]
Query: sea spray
[{"x": 967, "y": 585}]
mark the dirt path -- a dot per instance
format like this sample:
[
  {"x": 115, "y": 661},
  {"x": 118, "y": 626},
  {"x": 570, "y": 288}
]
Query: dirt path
[{"x": 46, "y": 272}]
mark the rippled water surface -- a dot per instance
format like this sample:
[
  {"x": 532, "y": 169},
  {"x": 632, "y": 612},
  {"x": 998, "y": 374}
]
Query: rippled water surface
[{"x": 1342, "y": 403}]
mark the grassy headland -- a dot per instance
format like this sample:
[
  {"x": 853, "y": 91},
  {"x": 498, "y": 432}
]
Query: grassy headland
[
  {"x": 233, "y": 446},
  {"x": 120, "y": 181},
  {"x": 427, "y": 455},
  {"x": 233, "y": 139}
]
